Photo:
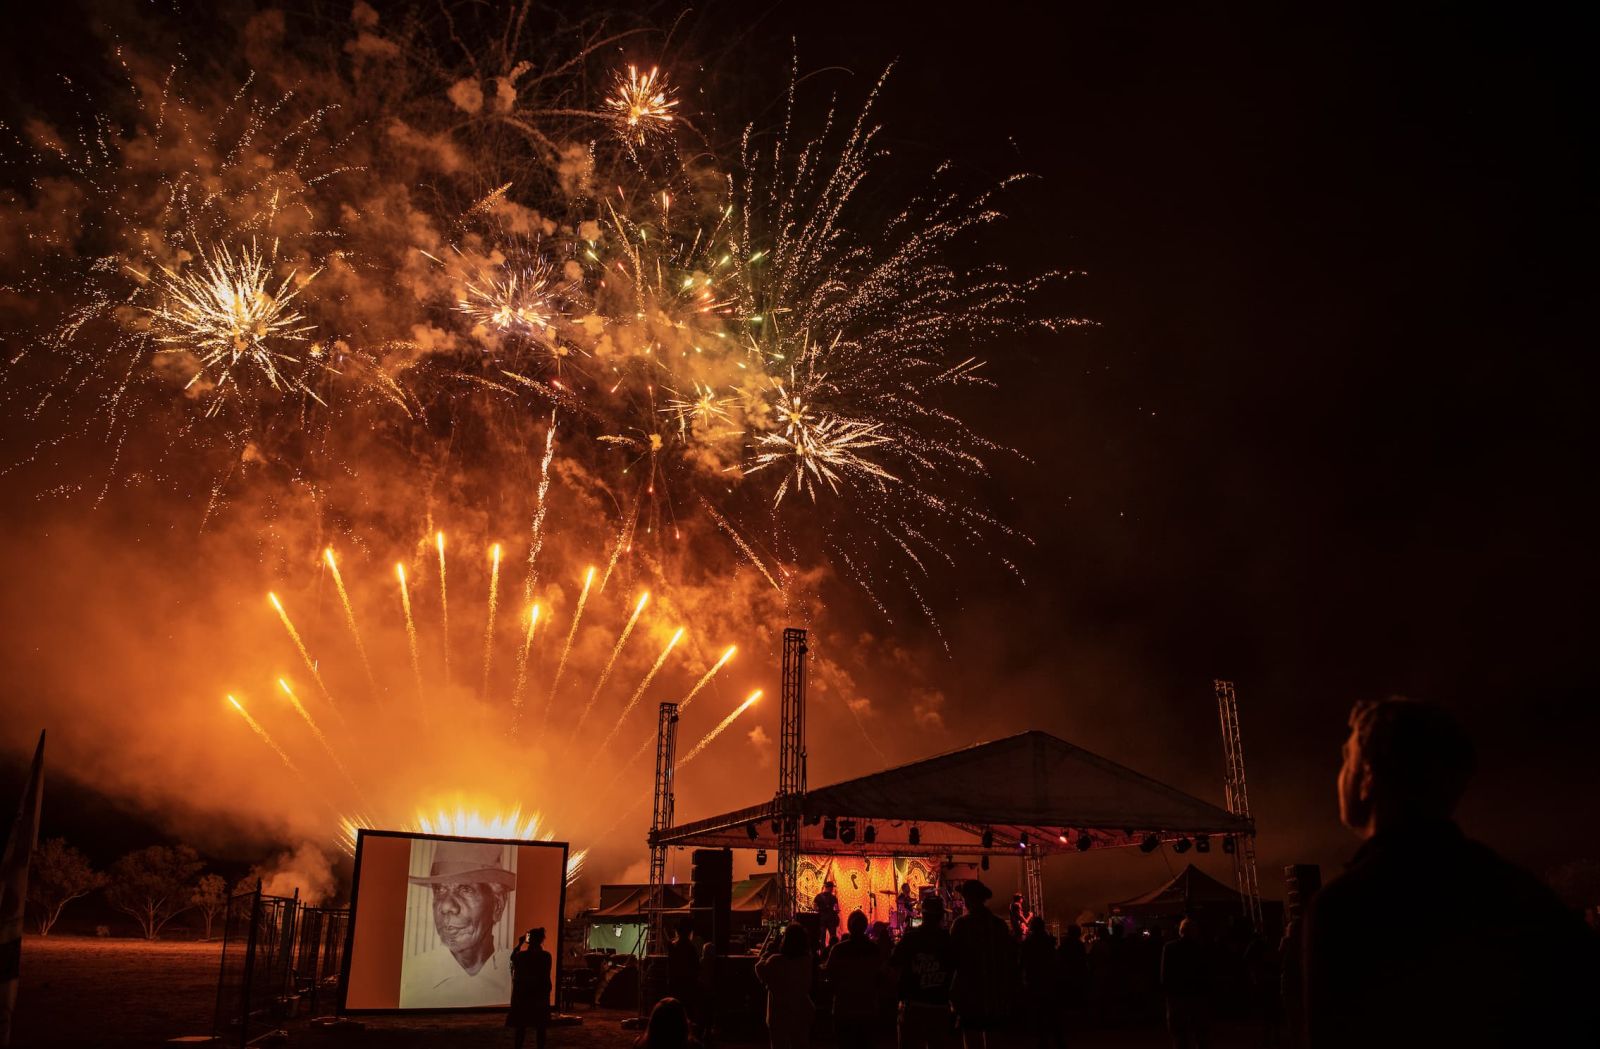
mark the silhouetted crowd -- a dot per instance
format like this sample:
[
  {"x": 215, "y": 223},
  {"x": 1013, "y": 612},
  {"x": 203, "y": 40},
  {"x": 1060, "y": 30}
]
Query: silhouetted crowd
[{"x": 1426, "y": 939}]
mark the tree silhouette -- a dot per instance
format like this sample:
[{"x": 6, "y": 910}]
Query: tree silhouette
[
  {"x": 210, "y": 898},
  {"x": 152, "y": 885},
  {"x": 59, "y": 875}
]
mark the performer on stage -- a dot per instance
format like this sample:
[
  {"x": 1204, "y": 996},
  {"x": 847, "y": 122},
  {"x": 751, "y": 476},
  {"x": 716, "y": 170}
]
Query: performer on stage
[
  {"x": 827, "y": 907},
  {"x": 1019, "y": 917},
  {"x": 905, "y": 908}
]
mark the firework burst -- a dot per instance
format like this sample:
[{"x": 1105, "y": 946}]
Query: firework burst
[
  {"x": 640, "y": 106},
  {"x": 227, "y": 313}
]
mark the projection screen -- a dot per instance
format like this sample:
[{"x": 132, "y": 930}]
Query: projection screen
[{"x": 434, "y": 919}]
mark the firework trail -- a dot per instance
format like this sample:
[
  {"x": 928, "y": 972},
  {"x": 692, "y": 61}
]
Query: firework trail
[
  {"x": 311, "y": 664},
  {"x": 648, "y": 740},
  {"x": 255, "y": 726},
  {"x": 566, "y": 650},
  {"x": 638, "y": 694},
  {"x": 494, "y": 606},
  {"x": 316, "y": 730},
  {"x": 522, "y": 667},
  {"x": 616, "y": 650},
  {"x": 722, "y": 726},
  {"x": 350, "y": 617},
  {"x": 444, "y": 611},
  {"x": 536, "y": 530},
  {"x": 411, "y": 635},
  {"x": 694, "y": 752}
]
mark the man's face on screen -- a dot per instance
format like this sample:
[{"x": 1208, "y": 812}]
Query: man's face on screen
[{"x": 464, "y": 916}]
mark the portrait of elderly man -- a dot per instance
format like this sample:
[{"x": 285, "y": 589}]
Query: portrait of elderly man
[{"x": 469, "y": 890}]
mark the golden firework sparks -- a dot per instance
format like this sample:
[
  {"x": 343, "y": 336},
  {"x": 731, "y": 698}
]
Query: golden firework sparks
[
  {"x": 350, "y": 616},
  {"x": 299, "y": 643},
  {"x": 227, "y": 313},
  {"x": 616, "y": 650},
  {"x": 411, "y": 634},
  {"x": 722, "y": 726},
  {"x": 640, "y": 105},
  {"x": 566, "y": 650},
  {"x": 494, "y": 607}
]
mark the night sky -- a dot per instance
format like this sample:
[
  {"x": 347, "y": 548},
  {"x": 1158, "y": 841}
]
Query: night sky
[{"x": 1328, "y": 437}]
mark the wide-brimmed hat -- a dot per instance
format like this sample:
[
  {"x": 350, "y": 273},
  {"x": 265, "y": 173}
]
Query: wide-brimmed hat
[
  {"x": 459, "y": 862},
  {"x": 972, "y": 889}
]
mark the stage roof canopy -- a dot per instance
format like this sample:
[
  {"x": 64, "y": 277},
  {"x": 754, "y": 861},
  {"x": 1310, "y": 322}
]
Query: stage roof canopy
[{"x": 1028, "y": 789}]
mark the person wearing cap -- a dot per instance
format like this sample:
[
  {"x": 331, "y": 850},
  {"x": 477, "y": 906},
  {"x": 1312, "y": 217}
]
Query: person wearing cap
[
  {"x": 469, "y": 887},
  {"x": 983, "y": 983},
  {"x": 827, "y": 907}
]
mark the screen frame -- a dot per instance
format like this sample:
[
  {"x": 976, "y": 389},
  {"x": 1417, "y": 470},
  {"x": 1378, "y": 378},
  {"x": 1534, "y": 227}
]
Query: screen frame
[{"x": 362, "y": 834}]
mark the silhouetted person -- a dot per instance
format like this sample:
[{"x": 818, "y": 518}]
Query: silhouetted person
[
  {"x": 1041, "y": 984},
  {"x": 1018, "y": 915},
  {"x": 984, "y": 986},
  {"x": 1186, "y": 986},
  {"x": 1428, "y": 938},
  {"x": 826, "y": 905},
  {"x": 1263, "y": 974},
  {"x": 855, "y": 975},
  {"x": 668, "y": 1027},
  {"x": 530, "y": 989},
  {"x": 785, "y": 971},
  {"x": 683, "y": 968},
  {"x": 1073, "y": 968},
  {"x": 924, "y": 962}
]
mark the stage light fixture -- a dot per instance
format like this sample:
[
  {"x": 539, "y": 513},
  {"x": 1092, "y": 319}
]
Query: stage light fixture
[
  {"x": 869, "y": 835},
  {"x": 987, "y": 841},
  {"x": 1022, "y": 840},
  {"x": 830, "y": 828},
  {"x": 1181, "y": 846},
  {"x": 777, "y": 828},
  {"x": 1150, "y": 843},
  {"x": 1062, "y": 837},
  {"x": 811, "y": 821},
  {"x": 915, "y": 835},
  {"x": 1202, "y": 843},
  {"x": 847, "y": 832},
  {"x": 761, "y": 857},
  {"x": 1227, "y": 845},
  {"x": 751, "y": 831},
  {"x": 1085, "y": 843},
  {"x": 983, "y": 861}
]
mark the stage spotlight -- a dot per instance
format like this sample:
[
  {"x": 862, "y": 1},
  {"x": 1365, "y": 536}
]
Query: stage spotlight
[
  {"x": 915, "y": 835},
  {"x": 1181, "y": 846},
  {"x": 761, "y": 857},
  {"x": 811, "y": 821},
  {"x": 830, "y": 828},
  {"x": 1228, "y": 845},
  {"x": 751, "y": 832},
  {"x": 777, "y": 828},
  {"x": 1085, "y": 843},
  {"x": 1150, "y": 843},
  {"x": 847, "y": 832},
  {"x": 1202, "y": 843},
  {"x": 987, "y": 841},
  {"x": 1022, "y": 840},
  {"x": 1062, "y": 837},
  {"x": 983, "y": 861}
]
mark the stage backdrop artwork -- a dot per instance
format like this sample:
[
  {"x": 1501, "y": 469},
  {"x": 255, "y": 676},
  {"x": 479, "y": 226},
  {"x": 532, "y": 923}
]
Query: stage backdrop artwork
[
  {"x": 864, "y": 883},
  {"x": 434, "y": 919}
]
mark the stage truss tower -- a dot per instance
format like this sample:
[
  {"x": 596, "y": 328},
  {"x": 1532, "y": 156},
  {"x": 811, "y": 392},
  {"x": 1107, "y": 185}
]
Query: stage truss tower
[
  {"x": 661, "y": 817},
  {"x": 1238, "y": 797},
  {"x": 1033, "y": 879},
  {"x": 791, "y": 768}
]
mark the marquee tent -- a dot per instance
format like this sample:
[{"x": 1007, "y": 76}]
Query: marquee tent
[{"x": 1031, "y": 789}]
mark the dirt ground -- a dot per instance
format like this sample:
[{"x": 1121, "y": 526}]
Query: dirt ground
[{"x": 85, "y": 992}]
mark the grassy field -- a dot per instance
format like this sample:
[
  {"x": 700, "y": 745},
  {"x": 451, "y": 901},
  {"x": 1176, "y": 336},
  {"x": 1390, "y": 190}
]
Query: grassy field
[{"x": 85, "y": 992}]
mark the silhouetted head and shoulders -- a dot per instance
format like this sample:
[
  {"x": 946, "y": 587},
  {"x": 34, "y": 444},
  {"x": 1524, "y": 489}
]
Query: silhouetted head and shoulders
[{"x": 1427, "y": 934}]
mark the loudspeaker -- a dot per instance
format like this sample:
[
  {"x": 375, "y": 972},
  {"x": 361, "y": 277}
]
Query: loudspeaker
[
  {"x": 711, "y": 895},
  {"x": 1302, "y": 880}
]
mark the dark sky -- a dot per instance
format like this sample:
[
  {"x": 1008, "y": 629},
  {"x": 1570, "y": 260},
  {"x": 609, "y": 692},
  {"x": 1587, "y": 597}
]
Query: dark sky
[{"x": 1329, "y": 436}]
